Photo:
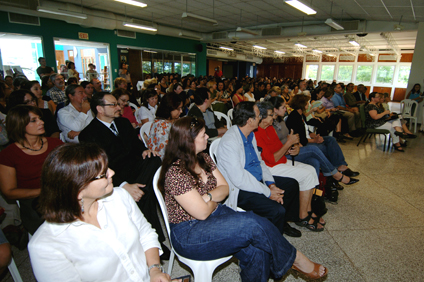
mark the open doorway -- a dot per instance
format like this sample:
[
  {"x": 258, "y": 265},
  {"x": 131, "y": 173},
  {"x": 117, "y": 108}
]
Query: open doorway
[{"x": 83, "y": 53}]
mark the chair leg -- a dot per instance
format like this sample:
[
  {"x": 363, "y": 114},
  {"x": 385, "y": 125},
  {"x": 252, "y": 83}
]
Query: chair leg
[
  {"x": 360, "y": 140},
  {"x": 14, "y": 271},
  {"x": 384, "y": 147},
  {"x": 171, "y": 261}
]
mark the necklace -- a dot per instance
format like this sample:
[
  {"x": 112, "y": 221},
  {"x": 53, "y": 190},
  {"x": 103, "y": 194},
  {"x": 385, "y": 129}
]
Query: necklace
[{"x": 42, "y": 144}]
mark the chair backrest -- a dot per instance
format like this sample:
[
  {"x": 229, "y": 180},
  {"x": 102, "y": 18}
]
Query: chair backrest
[
  {"x": 137, "y": 115},
  {"x": 132, "y": 105},
  {"x": 214, "y": 148},
  {"x": 220, "y": 115},
  {"x": 230, "y": 113},
  {"x": 161, "y": 201},
  {"x": 406, "y": 108},
  {"x": 145, "y": 129},
  {"x": 362, "y": 112}
]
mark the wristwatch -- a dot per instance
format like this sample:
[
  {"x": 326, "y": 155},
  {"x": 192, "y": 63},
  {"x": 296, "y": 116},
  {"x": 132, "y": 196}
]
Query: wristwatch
[{"x": 157, "y": 266}]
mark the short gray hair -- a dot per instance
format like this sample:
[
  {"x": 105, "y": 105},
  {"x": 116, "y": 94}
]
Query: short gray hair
[{"x": 263, "y": 109}]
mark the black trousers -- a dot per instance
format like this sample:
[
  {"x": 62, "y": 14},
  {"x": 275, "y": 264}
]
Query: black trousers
[
  {"x": 278, "y": 214},
  {"x": 143, "y": 172}
]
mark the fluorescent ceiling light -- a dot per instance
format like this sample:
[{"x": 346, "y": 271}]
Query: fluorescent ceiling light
[
  {"x": 333, "y": 24},
  {"x": 189, "y": 36},
  {"x": 61, "y": 12},
  {"x": 279, "y": 52},
  {"x": 259, "y": 47},
  {"x": 301, "y": 7},
  {"x": 148, "y": 51},
  {"x": 245, "y": 30},
  {"x": 318, "y": 51},
  {"x": 354, "y": 43},
  {"x": 139, "y": 26},
  {"x": 226, "y": 48},
  {"x": 197, "y": 18},
  {"x": 331, "y": 55},
  {"x": 132, "y": 2},
  {"x": 300, "y": 45}
]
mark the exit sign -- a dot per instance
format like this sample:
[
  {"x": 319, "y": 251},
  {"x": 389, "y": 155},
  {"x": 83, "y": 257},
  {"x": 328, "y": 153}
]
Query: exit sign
[{"x": 83, "y": 35}]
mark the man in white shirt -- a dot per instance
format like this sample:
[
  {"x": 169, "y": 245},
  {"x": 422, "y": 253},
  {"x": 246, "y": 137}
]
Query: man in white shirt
[{"x": 73, "y": 118}]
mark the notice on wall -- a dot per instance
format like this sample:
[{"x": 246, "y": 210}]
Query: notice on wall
[
  {"x": 388, "y": 57},
  {"x": 348, "y": 58},
  {"x": 83, "y": 35}
]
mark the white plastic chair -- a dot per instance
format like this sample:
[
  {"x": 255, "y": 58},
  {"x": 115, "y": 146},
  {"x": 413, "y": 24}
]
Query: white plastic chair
[
  {"x": 13, "y": 269},
  {"x": 214, "y": 148},
  {"x": 145, "y": 129},
  {"x": 132, "y": 105},
  {"x": 202, "y": 270},
  {"x": 220, "y": 115},
  {"x": 406, "y": 110},
  {"x": 230, "y": 113}
]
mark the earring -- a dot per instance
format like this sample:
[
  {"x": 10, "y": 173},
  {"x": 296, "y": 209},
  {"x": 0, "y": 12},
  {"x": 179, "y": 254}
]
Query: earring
[{"x": 82, "y": 205}]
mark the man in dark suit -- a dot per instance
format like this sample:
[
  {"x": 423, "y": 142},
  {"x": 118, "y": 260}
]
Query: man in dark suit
[
  {"x": 360, "y": 94},
  {"x": 133, "y": 163}
]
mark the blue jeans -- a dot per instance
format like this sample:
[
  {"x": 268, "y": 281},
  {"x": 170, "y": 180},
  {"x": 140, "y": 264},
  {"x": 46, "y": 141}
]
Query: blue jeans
[
  {"x": 252, "y": 239},
  {"x": 313, "y": 156}
]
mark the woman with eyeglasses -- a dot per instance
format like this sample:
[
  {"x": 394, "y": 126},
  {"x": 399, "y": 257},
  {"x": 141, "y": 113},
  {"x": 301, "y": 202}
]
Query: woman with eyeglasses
[
  {"x": 123, "y": 97},
  {"x": 25, "y": 97},
  {"x": 92, "y": 232},
  {"x": 21, "y": 161},
  {"x": 203, "y": 229}
]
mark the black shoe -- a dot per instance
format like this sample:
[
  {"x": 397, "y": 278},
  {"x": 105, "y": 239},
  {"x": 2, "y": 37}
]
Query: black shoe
[
  {"x": 340, "y": 139},
  {"x": 166, "y": 252},
  {"x": 290, "y": 231},
  {"x": 412, "y": 136},
  {"x": 350, "y": 173},
  {"x": 401, "y": 134}
]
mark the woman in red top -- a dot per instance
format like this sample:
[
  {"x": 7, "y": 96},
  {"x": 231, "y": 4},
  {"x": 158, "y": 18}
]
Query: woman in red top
[
  {"x": 123, "y": 97},
  {"x": 238, "y": 95},
  {"x": 273, "y": 154},
  {"x": 21, "y": 162}
]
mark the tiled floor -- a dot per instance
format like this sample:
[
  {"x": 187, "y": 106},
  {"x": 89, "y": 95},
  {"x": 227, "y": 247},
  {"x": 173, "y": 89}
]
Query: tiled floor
[{"x": 374, "y": 233}]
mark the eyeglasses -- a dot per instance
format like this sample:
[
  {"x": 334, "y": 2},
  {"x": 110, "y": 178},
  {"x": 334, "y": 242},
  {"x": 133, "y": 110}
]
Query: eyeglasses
[
  {"x": 104, "y": 175},
  {"x": 194, "y": 122},
  {"x": 111, "y": 105}
]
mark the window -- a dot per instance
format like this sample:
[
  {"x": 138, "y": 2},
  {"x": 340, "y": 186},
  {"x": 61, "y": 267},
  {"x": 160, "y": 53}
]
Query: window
[
  {"x": 363, "y": 74},
  {"x": 345, "y": 73},
  {"x": 327, "y": 72},
  {"x": 177, "y": 66},
  {"x": 19, "y": 55},
  {"x": 311, "y": 72},
  {"x": 385, "y": 74},
  {"x": 403, "y": 75}
]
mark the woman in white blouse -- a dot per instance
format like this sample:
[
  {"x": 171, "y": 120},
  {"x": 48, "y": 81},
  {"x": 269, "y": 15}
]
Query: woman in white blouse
[
  {"x": 147, "y": 111},
  {"x": 92, "y": 232},
  {"x": 248, "y": 93}
]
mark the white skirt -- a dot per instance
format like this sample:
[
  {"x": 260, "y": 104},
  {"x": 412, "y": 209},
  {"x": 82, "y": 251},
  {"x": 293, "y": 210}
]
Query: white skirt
[{"x": 305, "y": 174}]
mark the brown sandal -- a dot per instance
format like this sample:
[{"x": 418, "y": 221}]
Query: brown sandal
[{"x": 314, "y": 275}]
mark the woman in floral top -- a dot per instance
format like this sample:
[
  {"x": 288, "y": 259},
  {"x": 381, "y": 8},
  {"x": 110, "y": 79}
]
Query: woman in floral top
[
  {"x": 168, "y": 111},
  {"x": 376, "y": 118},
  {"x": 202, "y": 229}
]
